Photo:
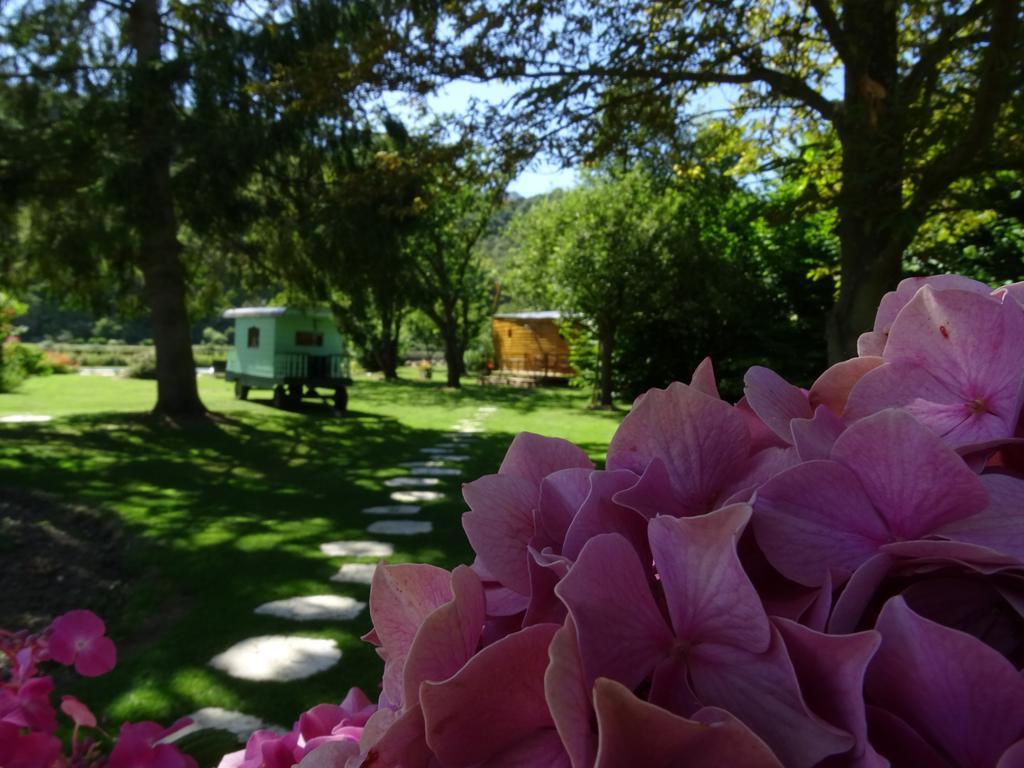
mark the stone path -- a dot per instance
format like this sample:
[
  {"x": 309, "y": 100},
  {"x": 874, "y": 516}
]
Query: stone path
[
  {"x": 284, "y": 658},
  {"x": 411, "y": 497},
  {"x": 393, "y": 509},
  {"x": 411, "y": 482},
  {"x": 435, "y": 472},
  {"x": 401, "y": 527},
  {"x": 357, "y": 549},
  {"x": 25, "y": 418},
  {"x": 355, "y": 573},
  {"x": 314, "y": 608},
  {"x": 277, "y": 658},
  {"x": 232, "y": 721}
]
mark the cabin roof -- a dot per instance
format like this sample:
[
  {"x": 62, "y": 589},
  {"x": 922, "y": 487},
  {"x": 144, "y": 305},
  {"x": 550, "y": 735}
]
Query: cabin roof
[
  {"x": 547, "y": 314},
  {"x": 275, "y": 312}
]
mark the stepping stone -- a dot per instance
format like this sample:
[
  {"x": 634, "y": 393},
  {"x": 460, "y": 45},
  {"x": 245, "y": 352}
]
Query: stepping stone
[
  {"x": 314, "y": 608},
  {"x": 355, "y": 573},
  {"x": 411, "y": 482},
  {"x": 392, "y": 509},
  {"x": 277, "y": 658},
  {"x": 232, "y": 721},
  {"x": 357, "y": 549},
  {"x": 435, "y": 472},
  {"x": 25, "y": 418},
  {"x": 401, "y": 527},
  {"x": 410, "y": 497},
  {"x": 421, "y": 464},
  {"x": 439, "y": 448},
  {"x": 452, "y": 456}
]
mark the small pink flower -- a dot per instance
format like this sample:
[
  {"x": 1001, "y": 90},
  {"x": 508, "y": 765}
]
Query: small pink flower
[
  {"x": 28, "y": 706},
  {"x": 138, "y": 746},
  {"x": 77, "y": 711},
  {"x": 28, "y": 750},
  {"x": 78, "y": 638}
]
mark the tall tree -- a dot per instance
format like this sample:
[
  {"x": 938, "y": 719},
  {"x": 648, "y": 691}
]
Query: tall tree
[
  {"x": 918, "y": 94},
  {"x": 450, "y": 284},
  {"x": 134, "y": 127}
]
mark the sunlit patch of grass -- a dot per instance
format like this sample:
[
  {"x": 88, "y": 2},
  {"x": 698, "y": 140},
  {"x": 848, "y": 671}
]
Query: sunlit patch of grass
[{"x": 229, "y": 515}]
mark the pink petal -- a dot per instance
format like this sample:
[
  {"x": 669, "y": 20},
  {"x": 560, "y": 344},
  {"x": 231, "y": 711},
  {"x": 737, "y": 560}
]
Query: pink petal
[
  {"x": 1000, "y": 526},
  {"x": 709, "y": 596},
  {"x": 77, "y": 711},
  {"x": 702, "y": 441},
  {"x": 493, "y": 703},
  {"x": 533, "y": 457},
  {"x": 900, "y": 743},
  {"x": 831, "y": 671},
  {"x": 860, "y": 589},
  {"x": 401, "y": 598},
  {"x": 546, "y": 570},
  {"x": 703, "y": 379},
  {"x": 775, "y": 400},
  {"x": 909, "y": 386},
  {"x": 652, "y": 494},
  {"x": 561, "y": 494},
  {"x": 599, "y": 513},
  {"x": 816, "y": 517},
  {"x": 448, "y": 637},
  {"x": 402, "y": 745},
  {"x": 832, "y": 389},
  {"x": 762, "y": 690},
  {"x": 815, "y": 437},
  {"x": 568, "y": 696},
  {"x": 500, "y": 526},
  {"x": 952, "y": 689},
  {"x": 894, "y": 301},
  {"x": 635, "y": 733},
  {"x": 98, "y": 658},
  {"x": 913, "y": 479},
  {"x": 330, "y": 754},
  {"x": 871, "y": 343},
  {"x": 973, "y": 344},
  {"x": 541, "y": 750},
  {"x": 622, "y": 634},
  {"x": 973, "y": 556}
]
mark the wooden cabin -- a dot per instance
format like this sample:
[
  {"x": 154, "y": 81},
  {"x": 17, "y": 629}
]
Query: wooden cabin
[{"x": 530, "y": 344}]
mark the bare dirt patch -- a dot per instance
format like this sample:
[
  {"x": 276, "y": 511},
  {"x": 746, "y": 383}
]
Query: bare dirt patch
[{"x": 55, "y": 557}]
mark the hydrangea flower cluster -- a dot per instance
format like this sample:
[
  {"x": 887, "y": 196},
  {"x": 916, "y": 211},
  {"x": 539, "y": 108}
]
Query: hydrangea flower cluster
[
  {"x": 28, "y": 720},
  {"x": 822, "y": 577}
]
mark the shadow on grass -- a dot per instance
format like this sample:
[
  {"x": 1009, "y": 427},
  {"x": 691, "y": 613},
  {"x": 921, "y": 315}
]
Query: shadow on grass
[{"x": 228, "y": 515}]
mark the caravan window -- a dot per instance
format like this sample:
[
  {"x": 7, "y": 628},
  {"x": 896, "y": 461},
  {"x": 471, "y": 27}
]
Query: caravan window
[
  {"x": 308, "y": 339},
  {"x": 254, "y": 337}
]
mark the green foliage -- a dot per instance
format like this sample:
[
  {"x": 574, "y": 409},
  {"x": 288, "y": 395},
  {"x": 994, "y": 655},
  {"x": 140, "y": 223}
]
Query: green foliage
[
  {"x": 142, "y": 367},
  {"x": 678, "y": 271}
]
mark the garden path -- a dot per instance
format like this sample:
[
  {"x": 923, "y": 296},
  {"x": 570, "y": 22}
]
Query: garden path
[{"x": 281, "y": 658}]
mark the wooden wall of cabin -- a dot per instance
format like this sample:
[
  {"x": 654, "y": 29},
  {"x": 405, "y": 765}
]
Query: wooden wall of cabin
[{"x": 529, "y": 345}]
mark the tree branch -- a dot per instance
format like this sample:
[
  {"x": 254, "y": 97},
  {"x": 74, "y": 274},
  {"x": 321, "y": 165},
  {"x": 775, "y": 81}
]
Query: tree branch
[
  {"x": 833, "y": 28},
  {"x": 995, "y": 84},
  {"x": 941, "y": 47}
]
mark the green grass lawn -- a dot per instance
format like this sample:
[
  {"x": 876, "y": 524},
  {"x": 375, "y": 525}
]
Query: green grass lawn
[{"x": 225, "y": 517}]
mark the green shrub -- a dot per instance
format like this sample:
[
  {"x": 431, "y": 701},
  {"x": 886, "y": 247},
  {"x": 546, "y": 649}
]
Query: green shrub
[{"x": 142, "y": 367}]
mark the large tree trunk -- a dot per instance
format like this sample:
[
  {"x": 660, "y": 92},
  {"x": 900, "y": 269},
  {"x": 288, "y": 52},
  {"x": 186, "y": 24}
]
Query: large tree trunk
[
  {"x": 453, "y": 355},
  {"x": 872, "y": 233},
  {"x": 605, "y": 342},
  {"x": 160, "y": 258},
  {"x": 386, "y": 354}
]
